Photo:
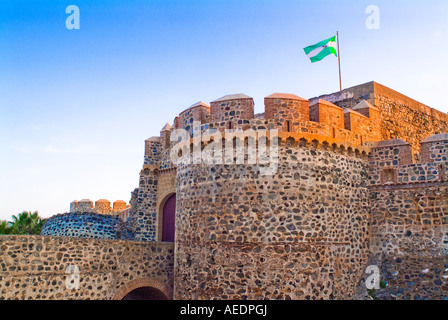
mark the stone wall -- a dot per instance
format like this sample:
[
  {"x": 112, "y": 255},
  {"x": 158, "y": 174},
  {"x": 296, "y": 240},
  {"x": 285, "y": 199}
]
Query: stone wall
[
  {"x": 409, "y": 200},
  {"x": 410, "y": 241},
  {"x": 144, "y": 217},
  {"x": 44, "y": 268}
]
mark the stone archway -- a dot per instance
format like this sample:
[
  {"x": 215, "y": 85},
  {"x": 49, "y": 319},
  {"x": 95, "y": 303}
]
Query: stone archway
[
  {"x": 145, "y": 293},
  {"x": 144, "y": 289}
]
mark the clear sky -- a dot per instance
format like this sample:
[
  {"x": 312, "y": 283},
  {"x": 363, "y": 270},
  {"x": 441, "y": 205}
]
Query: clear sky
[{"x": 77, "y": 105}]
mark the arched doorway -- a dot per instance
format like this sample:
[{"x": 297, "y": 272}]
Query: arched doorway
[
  {"x": 145, "y": 293},
  {"x": 169, "y": 217},
  {"x": 144, "y": 289}
]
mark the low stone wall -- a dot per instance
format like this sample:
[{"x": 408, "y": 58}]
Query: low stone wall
[{"x": 60, "y": 268}]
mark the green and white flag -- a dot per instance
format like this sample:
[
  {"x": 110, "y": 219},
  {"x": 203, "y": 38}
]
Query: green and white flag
[{"x": 321, "y": 50}]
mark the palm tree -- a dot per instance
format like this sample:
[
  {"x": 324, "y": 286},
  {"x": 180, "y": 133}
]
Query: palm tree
[
  {"x": 25, "y": 223},
  {"x": 5, "y": 227}
]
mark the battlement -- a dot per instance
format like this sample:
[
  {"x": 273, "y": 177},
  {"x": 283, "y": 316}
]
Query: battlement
[
  {"x": 101, "y": 206},
  {"x": 284, "y": 112},
  {"x": 350, "y": 121},
  {"x": 392, "y": 162}
]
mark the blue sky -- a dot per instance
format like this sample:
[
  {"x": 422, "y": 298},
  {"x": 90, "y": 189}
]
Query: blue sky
[{"x": 77, "y": 105}]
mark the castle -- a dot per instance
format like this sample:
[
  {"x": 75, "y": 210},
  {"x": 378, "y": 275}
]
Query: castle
[{"x": 360, "y": 179}]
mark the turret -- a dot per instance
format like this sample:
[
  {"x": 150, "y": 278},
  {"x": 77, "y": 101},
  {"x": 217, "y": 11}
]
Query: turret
[{"x": 165, "y": 135}]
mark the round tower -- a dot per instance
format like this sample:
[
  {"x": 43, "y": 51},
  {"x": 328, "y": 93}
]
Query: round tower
[{"x": 301, "y": 233}]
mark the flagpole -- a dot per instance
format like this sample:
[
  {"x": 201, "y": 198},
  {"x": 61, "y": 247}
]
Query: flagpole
[{"x": 339, "y": 63}]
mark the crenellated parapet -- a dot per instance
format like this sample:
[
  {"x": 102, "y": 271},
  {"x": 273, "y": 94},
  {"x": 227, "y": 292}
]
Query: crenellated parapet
[
  {"x": 101, "y": 206},
  {"x": 392, "y": 162},
  {"x": 293, "y": 117}
]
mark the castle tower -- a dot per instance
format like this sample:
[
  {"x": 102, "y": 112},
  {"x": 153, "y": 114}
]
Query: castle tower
[{"x": 165, "y": 135}]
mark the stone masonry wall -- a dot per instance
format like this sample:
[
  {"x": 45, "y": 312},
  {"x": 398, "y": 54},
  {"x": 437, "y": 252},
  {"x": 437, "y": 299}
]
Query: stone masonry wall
[
  {"x": 39, "y": 268},
  {"x": 410, "y": 241}
]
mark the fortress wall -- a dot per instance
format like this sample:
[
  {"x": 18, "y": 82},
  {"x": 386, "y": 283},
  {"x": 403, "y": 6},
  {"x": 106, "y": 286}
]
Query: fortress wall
[
  {"x": 103, "y": 206},
  {"x": 39, "y": 268},
  {"x": 410, "y": 241},
  {"x": 301, "y": 233},
  {"x": 357, "y": 122},
  {"x": 409, "y": 202},
  {"x": 407, "y": 120}
]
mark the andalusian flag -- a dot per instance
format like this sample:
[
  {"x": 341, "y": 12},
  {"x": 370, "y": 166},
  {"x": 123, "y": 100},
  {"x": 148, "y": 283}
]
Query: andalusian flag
[{"x": 321, "y": 50}]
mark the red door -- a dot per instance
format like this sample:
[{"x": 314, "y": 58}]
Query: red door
[{"x": 169, "y": 213}]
